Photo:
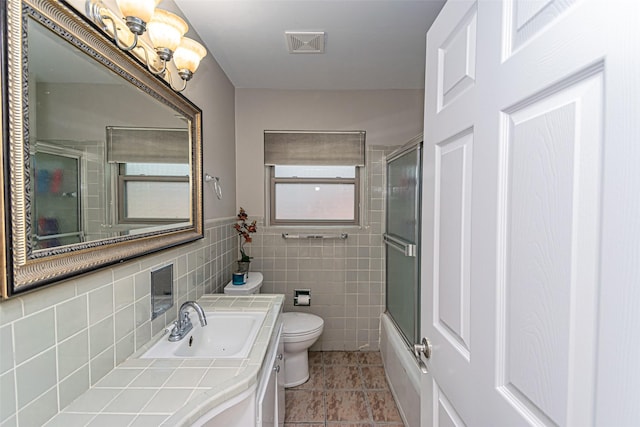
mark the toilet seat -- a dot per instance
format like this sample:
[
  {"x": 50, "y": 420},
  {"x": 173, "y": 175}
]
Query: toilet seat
[
  {"x": 301, "y": 324},
  {"x": 302, "y": 337}
]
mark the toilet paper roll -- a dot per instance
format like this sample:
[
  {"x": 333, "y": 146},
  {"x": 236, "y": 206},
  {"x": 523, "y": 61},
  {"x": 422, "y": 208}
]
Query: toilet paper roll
[{"x": 304, "y": 300}]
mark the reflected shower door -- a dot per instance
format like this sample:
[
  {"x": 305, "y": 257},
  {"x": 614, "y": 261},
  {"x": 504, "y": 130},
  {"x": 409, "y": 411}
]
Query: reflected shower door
[
  {"x": 402, "y": 239},
  {"x": 56, "y": 209}
]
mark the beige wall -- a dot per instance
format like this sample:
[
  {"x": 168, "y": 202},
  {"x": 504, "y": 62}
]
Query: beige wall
[
  {"x": 390, "y": 117},
  {"x": 211, "y": 90}
]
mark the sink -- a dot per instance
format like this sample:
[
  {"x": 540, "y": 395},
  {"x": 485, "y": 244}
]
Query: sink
[{"x": 228, "y": 335}]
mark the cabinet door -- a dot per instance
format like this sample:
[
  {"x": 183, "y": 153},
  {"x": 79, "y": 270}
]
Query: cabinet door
[
  {"x": 270, "y": 411},
  {"x": 268, "y": 405},
  {"x": 279, "y": 371}
]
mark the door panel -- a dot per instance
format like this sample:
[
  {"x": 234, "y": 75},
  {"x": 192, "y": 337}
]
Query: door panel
[
  {"x": 451, "y": 254},
  {"x": 525, "y": 19},
  {"x": 457, "y": 60},
  {"x": 445, "y": 413},
  {"x": 551, "y": 175}
]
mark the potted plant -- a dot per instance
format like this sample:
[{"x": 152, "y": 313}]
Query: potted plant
[{"x": 244, "y": 231}]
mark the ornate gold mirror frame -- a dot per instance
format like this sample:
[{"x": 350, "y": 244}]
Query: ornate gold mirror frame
[{"x": 22, "y": 267}]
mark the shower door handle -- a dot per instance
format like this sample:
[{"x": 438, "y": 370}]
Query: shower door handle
[
  {"x": 424, "y": 347},
  {"x": 408, "y": 249}
]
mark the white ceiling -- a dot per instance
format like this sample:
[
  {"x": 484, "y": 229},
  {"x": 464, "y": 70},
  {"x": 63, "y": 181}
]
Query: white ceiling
[{"x": 369, "y": 44}]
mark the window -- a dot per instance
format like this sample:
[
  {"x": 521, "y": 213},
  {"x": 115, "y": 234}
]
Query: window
[
  {"x": 314, "y": 177},
  {"x": 144, "y": 190},
  {"x": 150, "y": 173}
]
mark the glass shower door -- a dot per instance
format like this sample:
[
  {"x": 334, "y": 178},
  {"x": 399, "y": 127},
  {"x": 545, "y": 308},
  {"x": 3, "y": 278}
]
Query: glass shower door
[
  {"x": 402, "y": 239},
  {"x": 56, "y": 207}
]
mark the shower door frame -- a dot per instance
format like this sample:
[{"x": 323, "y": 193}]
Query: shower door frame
[
  {"x": 413, "y": 250},
  {"x": 43, "y": 147}
]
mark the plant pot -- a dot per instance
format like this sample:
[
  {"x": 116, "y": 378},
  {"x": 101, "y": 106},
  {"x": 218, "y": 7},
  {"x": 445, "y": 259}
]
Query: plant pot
[{"x": 243, "y": 266}]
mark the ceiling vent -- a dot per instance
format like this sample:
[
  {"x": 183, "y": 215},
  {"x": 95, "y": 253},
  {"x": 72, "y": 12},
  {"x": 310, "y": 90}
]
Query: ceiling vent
[{"x": 305, "y": 42}]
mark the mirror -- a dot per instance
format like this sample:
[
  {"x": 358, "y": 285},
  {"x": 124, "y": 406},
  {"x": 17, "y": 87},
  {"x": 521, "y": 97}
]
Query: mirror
[{"x": 97, "y": 146}]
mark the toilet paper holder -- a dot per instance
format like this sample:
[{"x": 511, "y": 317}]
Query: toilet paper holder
[{"x": 302, "y": 297}]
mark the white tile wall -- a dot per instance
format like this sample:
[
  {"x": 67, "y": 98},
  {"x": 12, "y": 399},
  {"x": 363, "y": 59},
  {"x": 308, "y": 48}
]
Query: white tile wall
[{"x": 57, "y": 342}]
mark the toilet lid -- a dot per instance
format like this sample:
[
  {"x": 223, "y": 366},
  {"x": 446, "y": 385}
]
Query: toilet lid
[
  {"x": 254, "y": 282},
  {"x": 300, "y": 323}
]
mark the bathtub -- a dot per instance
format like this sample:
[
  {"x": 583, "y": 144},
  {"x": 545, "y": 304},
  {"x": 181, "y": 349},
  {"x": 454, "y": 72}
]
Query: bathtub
[{"x": 402, "y": 372}]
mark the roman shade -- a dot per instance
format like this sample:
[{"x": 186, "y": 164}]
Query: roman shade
[
  {"x": 147, "y": 145},
  {"x": 314, "y": 148}
]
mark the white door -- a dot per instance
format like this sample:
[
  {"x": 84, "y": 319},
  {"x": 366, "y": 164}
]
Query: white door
[{"x": 531, "y": 214}]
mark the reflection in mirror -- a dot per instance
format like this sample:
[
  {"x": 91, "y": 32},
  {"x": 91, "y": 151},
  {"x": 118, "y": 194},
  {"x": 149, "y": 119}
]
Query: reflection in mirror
[
  {"x": 83, "y": 188},
  {"x": 57, "y": 196}
]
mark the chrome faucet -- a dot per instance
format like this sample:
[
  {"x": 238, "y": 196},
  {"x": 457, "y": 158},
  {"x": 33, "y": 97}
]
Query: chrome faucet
[{"x": 183, "y": 325}]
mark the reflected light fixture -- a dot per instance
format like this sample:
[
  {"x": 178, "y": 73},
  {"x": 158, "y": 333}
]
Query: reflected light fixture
[{"x": 165, "y": 31}]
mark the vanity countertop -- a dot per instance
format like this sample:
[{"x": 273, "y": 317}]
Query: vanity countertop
[{"x": 174, "y": 392}]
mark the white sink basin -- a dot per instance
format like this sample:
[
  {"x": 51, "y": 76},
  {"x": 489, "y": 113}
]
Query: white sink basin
[{"x": 227, "y": 335}]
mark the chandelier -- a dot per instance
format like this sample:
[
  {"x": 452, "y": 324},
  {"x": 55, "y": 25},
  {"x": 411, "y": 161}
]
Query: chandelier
[{"x": 165, "y": 32}]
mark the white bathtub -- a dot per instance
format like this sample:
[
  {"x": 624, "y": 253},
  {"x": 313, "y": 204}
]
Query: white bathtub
[{"x": 402, "y": 372}]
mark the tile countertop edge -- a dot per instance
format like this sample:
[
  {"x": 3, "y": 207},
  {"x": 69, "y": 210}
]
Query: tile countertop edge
[{"x": 193, "y": 410}]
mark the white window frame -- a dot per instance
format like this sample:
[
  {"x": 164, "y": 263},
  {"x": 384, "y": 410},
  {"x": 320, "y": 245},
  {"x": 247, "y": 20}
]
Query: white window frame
[
  {"x": 123, "y": 179},
  {"x": 271, "y": 197}
]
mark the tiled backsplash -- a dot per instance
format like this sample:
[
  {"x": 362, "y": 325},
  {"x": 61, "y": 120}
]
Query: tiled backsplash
[
  {"x": 346, "y": 277},
  {"x": 57, "y": 342}
]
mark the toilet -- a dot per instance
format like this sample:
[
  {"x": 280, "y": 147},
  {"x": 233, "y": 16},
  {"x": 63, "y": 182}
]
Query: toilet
[{"x": 299, "y": 332}]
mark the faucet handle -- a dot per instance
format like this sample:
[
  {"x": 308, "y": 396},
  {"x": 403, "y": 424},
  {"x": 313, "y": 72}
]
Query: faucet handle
[
  {"x": 170, "y": 328},
  {"x": 186, "y": 320},
  {"x": 175, "y": 330}
]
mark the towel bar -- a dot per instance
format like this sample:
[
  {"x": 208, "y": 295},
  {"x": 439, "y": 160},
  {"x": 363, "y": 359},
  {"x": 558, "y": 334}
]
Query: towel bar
[{"x": 314, "y": 236}]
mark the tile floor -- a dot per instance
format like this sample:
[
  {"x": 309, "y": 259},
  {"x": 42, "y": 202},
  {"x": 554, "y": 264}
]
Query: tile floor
[{"x": 345, "y": 389}]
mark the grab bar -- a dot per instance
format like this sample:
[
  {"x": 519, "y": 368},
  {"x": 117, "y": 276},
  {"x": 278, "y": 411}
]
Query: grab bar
[
  {"x": 314, "y": 236},
  {"x": 408, "y": 249}
]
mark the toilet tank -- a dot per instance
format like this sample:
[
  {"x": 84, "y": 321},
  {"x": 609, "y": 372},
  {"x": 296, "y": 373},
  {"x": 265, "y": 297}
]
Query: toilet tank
[{"x": 253, "y": 285}]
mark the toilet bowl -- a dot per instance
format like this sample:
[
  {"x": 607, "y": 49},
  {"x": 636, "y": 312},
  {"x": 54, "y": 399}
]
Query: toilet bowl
[{"x": 300, "y": 331}]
